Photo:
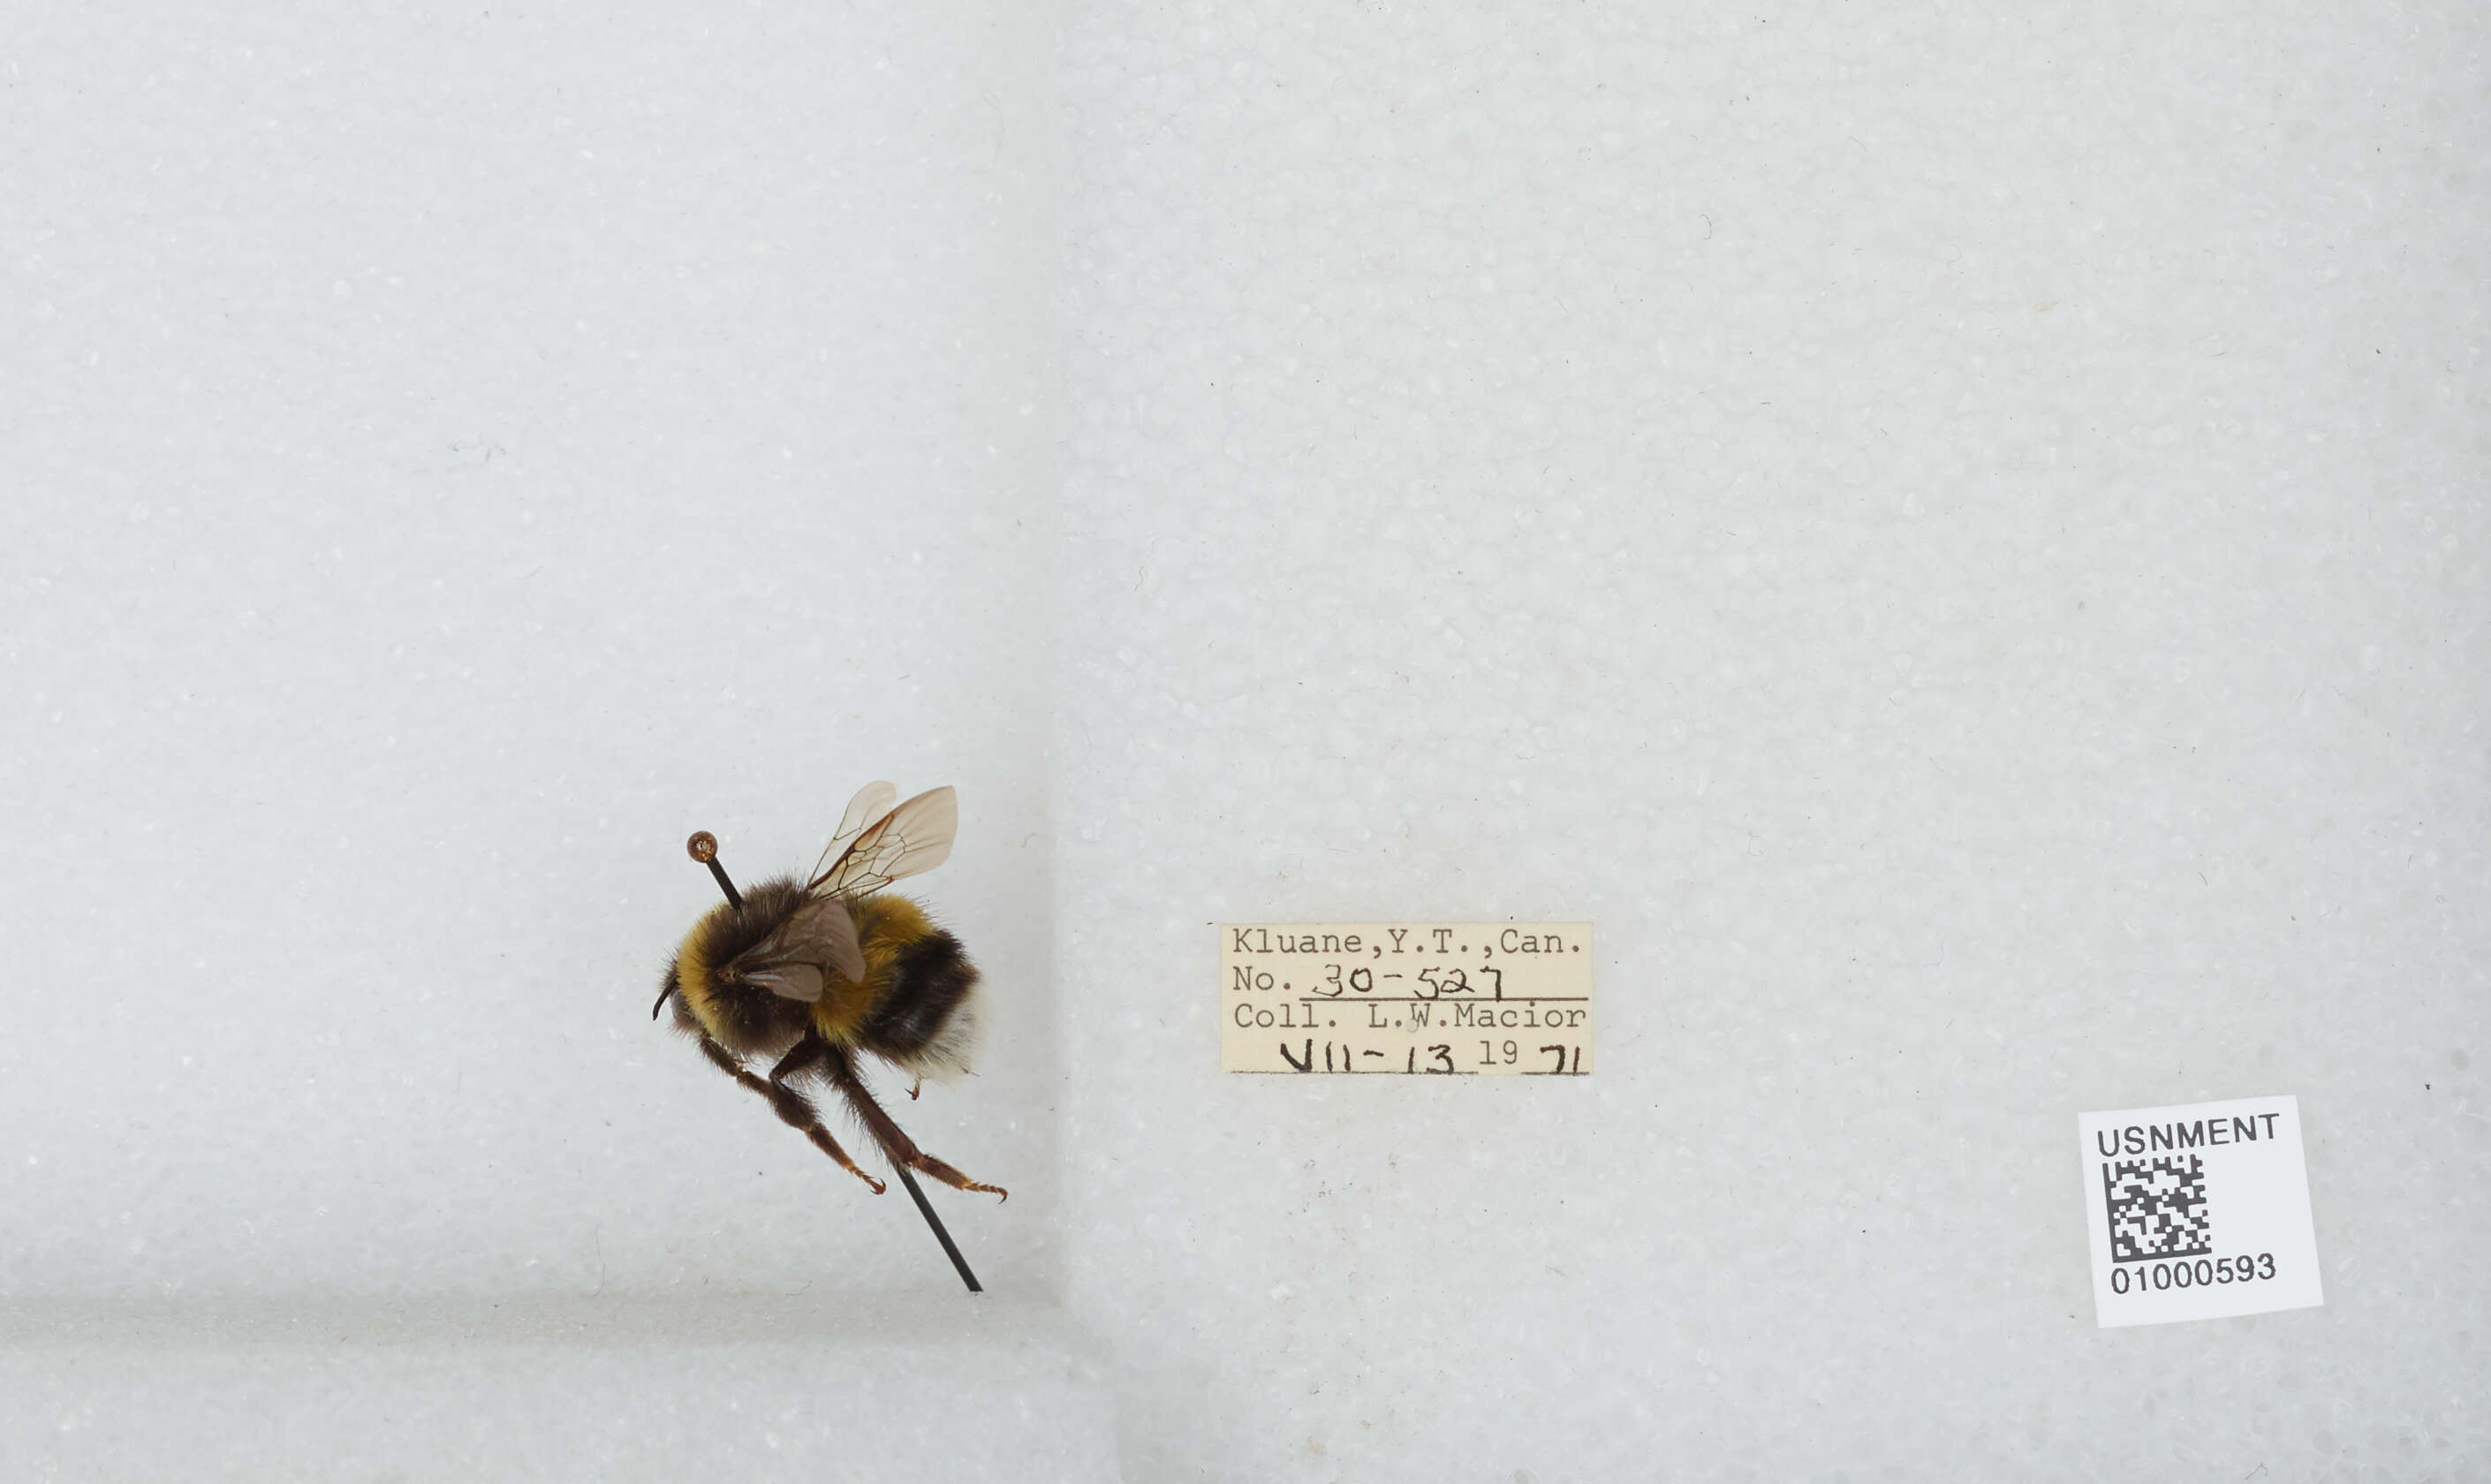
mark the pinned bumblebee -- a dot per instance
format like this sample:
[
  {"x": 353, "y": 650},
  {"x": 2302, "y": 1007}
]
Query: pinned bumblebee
[{"x": 814, "y": 973}]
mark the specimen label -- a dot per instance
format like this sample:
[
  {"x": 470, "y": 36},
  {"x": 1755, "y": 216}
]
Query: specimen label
[
  {"x": 1406, "y": 998},
  {"x": 2198, "y": 1212}
]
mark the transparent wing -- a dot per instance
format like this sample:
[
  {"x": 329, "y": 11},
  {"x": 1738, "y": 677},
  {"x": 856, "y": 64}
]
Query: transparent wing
[
  {"x": 870, "y": 804},
  {"x": 915, "y": 837},
  {"x": 819, "y": 938},
  {"x": 790, "y": 981}
]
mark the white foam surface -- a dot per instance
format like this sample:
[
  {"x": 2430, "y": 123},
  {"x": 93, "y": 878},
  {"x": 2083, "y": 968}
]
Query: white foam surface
[
  {"x": 449, "y": 457},
  {"x": 1955, "y": 540},
  {"x": 760, "y": 1387},
  {"x": 455, "y": 459}
]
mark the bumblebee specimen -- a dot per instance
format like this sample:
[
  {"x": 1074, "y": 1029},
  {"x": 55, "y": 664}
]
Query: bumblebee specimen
[{"x": 813, "y": 973}]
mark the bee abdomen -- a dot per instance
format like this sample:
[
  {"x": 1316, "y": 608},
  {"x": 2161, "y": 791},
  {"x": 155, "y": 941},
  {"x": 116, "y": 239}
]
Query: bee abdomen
[{"x": 924, "y": 1020}]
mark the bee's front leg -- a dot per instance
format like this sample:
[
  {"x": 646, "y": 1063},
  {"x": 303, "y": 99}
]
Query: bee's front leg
[{"x": 791, "y": 1106}]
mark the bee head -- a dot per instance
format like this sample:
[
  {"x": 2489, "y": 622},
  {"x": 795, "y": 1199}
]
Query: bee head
[{"x": 709, "y": 970}]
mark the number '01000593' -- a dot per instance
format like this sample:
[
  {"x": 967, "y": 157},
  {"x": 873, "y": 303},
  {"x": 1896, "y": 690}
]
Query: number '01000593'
[{"x": 2199, "y": 1272}]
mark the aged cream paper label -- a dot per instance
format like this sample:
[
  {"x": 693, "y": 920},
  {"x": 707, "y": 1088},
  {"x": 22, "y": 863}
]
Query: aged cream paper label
[
  {"x": 1407, "y": 999},
  {"x": 2198, "y": 1212}
]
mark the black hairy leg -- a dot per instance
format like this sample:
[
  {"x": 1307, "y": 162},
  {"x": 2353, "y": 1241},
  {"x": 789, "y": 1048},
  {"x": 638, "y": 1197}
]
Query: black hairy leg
[
  {"x": 791, "y": 1106},
  {"x": 901, "y": 1148}
]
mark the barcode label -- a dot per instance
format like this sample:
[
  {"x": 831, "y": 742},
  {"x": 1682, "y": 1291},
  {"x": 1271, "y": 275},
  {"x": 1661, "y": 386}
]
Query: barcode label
[{"x": 2198, "y": 1212}]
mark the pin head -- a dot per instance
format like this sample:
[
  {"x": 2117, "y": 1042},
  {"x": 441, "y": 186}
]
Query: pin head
[{"x": 703, "y": 847}]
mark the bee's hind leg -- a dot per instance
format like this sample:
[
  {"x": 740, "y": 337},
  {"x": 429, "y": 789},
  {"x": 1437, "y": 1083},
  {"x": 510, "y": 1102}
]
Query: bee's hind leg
[
  {"x": 901, "y": 1148},
  {"x": 791, "y": 1106}
]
